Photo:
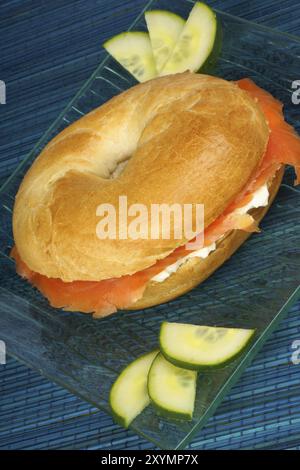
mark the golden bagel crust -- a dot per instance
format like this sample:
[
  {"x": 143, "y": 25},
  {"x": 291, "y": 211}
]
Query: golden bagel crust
[
  {"x": 190, "y": 138},
  {"x": 196, "y": 270}
]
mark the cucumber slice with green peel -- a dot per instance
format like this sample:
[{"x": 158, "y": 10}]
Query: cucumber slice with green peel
[
  {"x": 195, "y": 43},
  {"x": 164, "y": 29},
  {"x": 172, "y": 390},
  {"x": 199, "y": 347},
  {"x": 209, "y": 65},
  {"x": 134, "y": 52},
  {"x": 129, "y": 395}
]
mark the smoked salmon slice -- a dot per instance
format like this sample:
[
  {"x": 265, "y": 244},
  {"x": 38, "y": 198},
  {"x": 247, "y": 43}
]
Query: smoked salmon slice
[
  {"x": 284, "y": 142},
  {"x": 105, "y": 297}
]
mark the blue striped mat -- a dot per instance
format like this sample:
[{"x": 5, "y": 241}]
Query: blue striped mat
[{"x": 48, "y": 49}]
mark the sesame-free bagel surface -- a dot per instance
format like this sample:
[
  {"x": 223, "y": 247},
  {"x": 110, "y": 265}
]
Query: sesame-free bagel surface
[
  {"x": 188, "y": 138},
  {"x": 196, "y": 270}
]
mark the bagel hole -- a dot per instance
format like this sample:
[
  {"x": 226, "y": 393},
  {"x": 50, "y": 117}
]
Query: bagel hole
[{"x": 120, "y": 166}]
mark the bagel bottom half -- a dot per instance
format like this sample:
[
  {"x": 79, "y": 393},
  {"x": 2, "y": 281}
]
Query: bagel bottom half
[{"x": 196, "y": 270}]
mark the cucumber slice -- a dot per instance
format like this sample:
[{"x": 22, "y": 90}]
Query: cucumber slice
[
  {"x": 129, "y": 395},
  {"x": 172, "y": 390},
  {"x": 209, "y": 64},
  {"x": 164, "y": 29},
  {"x": 195, "y": 43},
  {"x": 133, "y": 51},
  {"x": 196, "y": 347}
]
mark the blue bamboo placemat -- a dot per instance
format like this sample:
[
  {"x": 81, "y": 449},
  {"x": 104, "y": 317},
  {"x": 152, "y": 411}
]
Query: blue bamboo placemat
[{"x": 48, "y": 49}]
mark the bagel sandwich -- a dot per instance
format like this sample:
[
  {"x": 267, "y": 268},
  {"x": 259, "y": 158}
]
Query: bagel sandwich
[{"x": 178, "y": 139}]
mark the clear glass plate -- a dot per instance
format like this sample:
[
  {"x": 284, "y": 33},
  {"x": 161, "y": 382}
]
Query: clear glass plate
[{"x": 253, "y": 289}]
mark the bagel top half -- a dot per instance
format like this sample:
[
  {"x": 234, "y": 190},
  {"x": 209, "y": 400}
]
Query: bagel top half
[{"x": 186, "y": 138}]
